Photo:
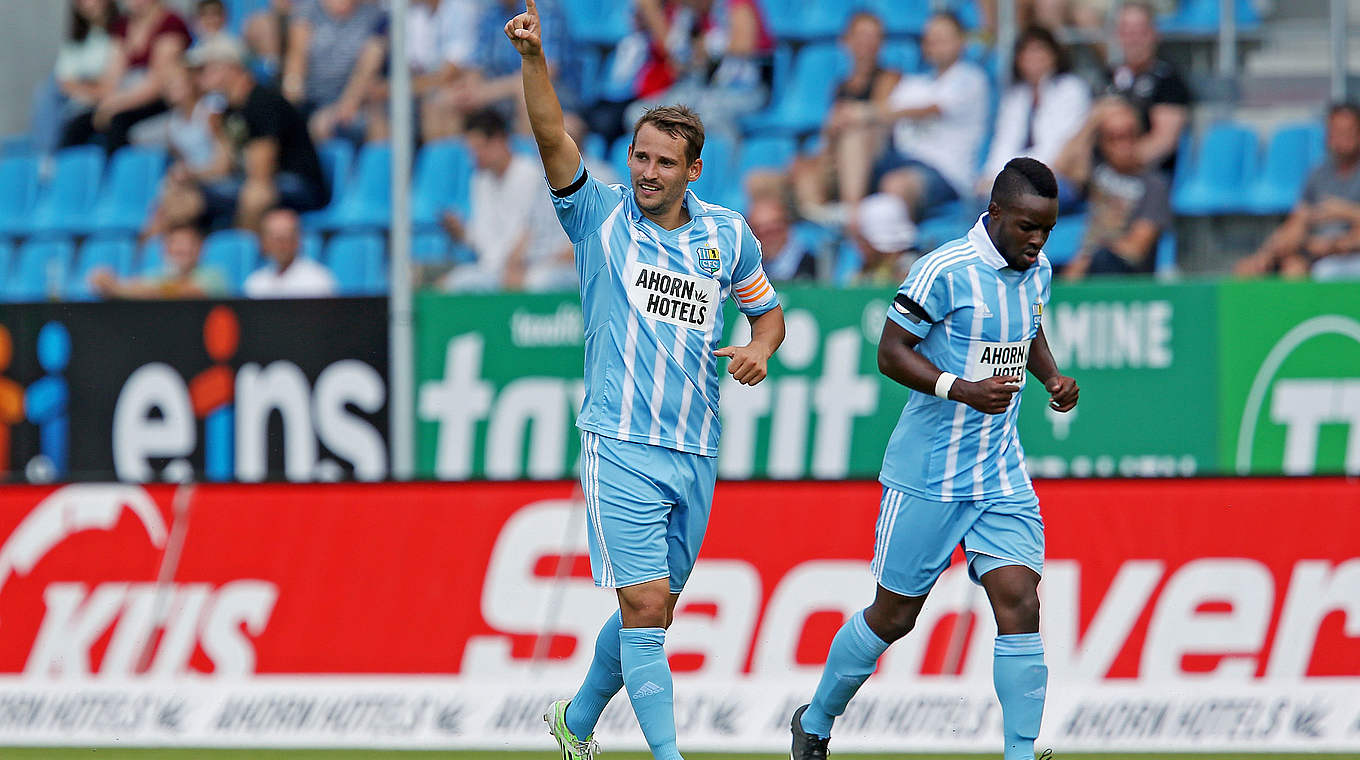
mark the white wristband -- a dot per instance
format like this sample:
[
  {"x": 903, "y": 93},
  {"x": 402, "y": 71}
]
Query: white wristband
[{"x": 944, "y": 383}]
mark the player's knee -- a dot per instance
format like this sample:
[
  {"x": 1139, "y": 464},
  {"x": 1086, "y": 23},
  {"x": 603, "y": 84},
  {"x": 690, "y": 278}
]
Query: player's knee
[
  {"x": 891, "y": 622},
  {"x": 1018, "y": 612},
  {"x": 643, "y": 610}
]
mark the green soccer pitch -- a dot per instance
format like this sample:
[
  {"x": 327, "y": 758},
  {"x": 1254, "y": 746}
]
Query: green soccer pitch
[{"x": 12, "y": 753}]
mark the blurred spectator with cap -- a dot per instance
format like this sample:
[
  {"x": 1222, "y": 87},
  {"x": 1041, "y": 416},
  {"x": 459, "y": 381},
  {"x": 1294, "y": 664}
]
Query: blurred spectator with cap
[
  {"x": 272, "y": 158},
  {"x": 886, "y": 238},
  {"x": 785, "y": 255},
  {"x": 183, "y": 277},
  {"x": 512, "y": 230},
  {"x": 1128, "y": 201},
  {"x": 1322, "y": 234},
  {"x": 287, "y": 274},
  {"x": 939, "y": 120}
]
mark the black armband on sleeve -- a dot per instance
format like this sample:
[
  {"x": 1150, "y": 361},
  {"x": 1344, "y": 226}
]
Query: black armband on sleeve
[
  {"x": 573, "y": 187},
  {"x": 911, "y": 310}
]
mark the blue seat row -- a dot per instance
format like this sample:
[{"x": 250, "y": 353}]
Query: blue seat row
[
  {"x": 1225, "y": 171},
  {"x": 82, "y": 196}
]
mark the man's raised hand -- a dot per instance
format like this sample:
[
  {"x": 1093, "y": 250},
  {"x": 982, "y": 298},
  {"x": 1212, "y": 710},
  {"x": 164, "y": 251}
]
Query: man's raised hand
[{"x": 525, "y": 32}]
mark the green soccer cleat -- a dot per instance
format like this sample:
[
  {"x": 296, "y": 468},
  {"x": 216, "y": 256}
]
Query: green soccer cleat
[{"x": 572, "y": 748}]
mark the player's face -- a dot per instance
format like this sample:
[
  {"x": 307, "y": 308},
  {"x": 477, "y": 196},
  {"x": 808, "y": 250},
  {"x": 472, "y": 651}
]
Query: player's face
[
  {"x": 659, "y": 171},
  {"x": 1022, "y": 227}
]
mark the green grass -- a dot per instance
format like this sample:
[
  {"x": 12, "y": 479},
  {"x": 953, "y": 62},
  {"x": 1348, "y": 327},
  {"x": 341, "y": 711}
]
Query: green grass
[{"x": 12, "y": 753}]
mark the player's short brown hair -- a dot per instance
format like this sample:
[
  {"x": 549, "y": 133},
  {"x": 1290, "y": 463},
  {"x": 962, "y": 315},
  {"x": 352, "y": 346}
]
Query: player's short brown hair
[{"x": 676, "y": 121}]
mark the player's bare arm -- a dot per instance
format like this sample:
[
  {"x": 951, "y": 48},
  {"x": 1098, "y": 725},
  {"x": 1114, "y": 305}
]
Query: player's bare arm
[
  {"x": 561, "y": 156},
  {"x": 1062, "y": 390},
  {"x": 899, "y": 360},
  {"x": 748, "y": 364}
]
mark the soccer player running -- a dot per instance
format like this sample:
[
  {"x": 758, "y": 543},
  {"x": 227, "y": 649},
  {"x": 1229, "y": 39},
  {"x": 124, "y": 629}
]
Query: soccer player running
[
  {"x": 961, "y": 332},
  {"x": 655, "y": 265}
]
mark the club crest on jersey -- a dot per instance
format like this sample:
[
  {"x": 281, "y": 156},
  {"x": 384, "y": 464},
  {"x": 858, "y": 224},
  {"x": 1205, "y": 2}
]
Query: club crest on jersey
[
  {"x": 709, "y": 259},
  {"x": 1038, "y": 312}
]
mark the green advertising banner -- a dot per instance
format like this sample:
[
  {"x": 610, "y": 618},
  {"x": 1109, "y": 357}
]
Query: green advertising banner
[
  {"x": 499, "y": 383},
  {"x": 1290, "y": 392}
]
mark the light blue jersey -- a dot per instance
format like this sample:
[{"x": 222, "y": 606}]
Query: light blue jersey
[
  {"x": 981, "y": 317},
  {"x": 652, "y": 301}
]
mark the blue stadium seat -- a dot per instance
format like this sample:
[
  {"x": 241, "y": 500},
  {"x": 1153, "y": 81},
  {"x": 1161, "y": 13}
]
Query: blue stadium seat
[
  {"x": 150, "y": 260},
  {"x": 968, "y": 11},
  {"x": 1289, "y": 158},
  {"x": 807, "y": 20},
  {"x": 357, "y": 259},
  {"x": 901, "y": 16},
  {"x": 6, "y": 264},
  {"x": 716, "y": 183},
  {"x": 766, "y": 153},
  {"x": 16, "y": 145},
  {"x": 115, "y": 254},
  {"x": 367, "y": 201},
  {"x": 618, "y": 155},
  {"x": 337, "y": 158},
  {"x": 1223, "y": 164},
  {"x": 311, "y": 246},
  {"x": 1065, "y": 239},
  {"x": 598, "y": 22},
  {"x": 67, "y": 201},
  {"x": 802, "y": 106},
  {"x": 40, "y": 272},
  {"x": 1166, "y": 254},
  {"x": 133, "y": 181},
  {"x": 1204, "y": 17},
  {"x": 240, "y": 10},
  {"x": 594, "y": 146},
  {"x": 442, "y": 180},
  {"x": 901, "y": 55},
  {"x": 234, "y": 253},
  {"x": 18, "y": 192},
  {"x": 430, "y": 248}
]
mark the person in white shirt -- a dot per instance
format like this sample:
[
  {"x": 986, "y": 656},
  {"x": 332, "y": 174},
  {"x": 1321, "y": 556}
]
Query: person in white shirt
[
  {"x": 512, "y": 229},
  {"x": 1042, "y": 110},
  {"x": 939, "y": 120},
  {"x": 287, "y": 275}
]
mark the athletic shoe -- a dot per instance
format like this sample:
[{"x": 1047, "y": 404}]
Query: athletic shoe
[
  {"x": 805, "y": 745},
  {"x": 572, "y": 748}
]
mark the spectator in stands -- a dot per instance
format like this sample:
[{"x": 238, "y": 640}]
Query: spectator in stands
[
  {"x": 939, "y": 120},
  {"x": 787, "y": 257},
  {"x": 1041, "y": 111},
  {"x": 192, "y": 133},
  {"x": 441, "y": 42},
  {"x": 287, "y": 275},
  {"x": 517, "y": 241},
  {"x": 77, "y": 78},
  {"x": 886, "y": 238},
  {"x": 853, "y": 134},
  {"x": 716, "y": 56},
  {"x": 149, "y": 43},
  {"x": 210, "y": 20},
  {"x": 266, "y": 37},
  {"x": 1128, "y": 201},
  {"x": 271, "y": 159},
  {"x": 184, "y": 276},
  {"x": 1322, "y": 233},
  {"x": 1152, "y": 85},
  {"x": 335, "y": 54}
]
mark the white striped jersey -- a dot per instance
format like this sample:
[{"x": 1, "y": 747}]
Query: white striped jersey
[
  {"x": 980, "y": 316},
  {"x": 652, "y": 301}
]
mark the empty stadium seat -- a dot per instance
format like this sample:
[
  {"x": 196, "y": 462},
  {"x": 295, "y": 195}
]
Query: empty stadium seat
[
  {"x": 67, "y": 201},
  {"x": 240, "y": 10},
  {"x": 1204, "y": 17},
  {"x": 901, "y": 55},
  {"x": 807, "y": 20},
  {"x": 337, "y": 158},
  {"x": 311, "y": 246},
  {"x": 40, "y": 272},
  {"x": 442, "y": 180},
  {"x": 430, "y": 248},
  {"x": 233, "y": 253},
  {"x": 6, "y": 264},
  {"x": 716, "y": 183},
  {"x": 618, "y": 155},
  {"x": 367, "y": 200},
  {"x": 357, "y": 259},
  {"x": 133, "y": 181},
  {"x": 1222, "y": 165},
  {"x": 598, "y": 22},
  {"x": 802, "y": 106},
  {"x": 1065, "y": 239},
  {"x": 114, "y": 253},
  {"x": 151, "y": 259},
  {"x": 18, "y": 192},
  {"x": 901, "y": 16},
  {"x": 1166, "y": 255},
  {"x": 16, "y": 145},
  {"x": 1292, "y": 153}
]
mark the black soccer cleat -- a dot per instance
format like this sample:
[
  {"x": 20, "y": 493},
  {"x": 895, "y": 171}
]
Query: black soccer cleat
[{"x": 805, "y": 745}]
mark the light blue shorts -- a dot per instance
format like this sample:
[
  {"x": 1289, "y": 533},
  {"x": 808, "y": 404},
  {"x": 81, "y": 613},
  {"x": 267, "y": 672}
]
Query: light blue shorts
[
  {"x": 915, "y": 538},
  {"x": 646, "y": 508}
]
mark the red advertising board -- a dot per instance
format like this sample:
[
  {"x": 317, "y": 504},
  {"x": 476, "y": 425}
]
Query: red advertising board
[{"x": 1199, "y": 591}]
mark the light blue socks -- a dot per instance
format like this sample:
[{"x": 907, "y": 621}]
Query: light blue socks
[
  {"x": 603, "y": 681},
  {"x": 854, "y": 655},
  {"x": 1021, "y": 680},
  {"x": 647, "y": 677}
]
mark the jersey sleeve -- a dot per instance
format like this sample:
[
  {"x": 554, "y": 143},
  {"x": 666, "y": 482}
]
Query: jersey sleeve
[
  {"x": 754, "y": 293},
  {"x": 923, "y": 300},
  {"x": 583, "y": 205}
]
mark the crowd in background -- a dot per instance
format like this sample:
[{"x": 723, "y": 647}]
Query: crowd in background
[{"x": 243, "y": 116}]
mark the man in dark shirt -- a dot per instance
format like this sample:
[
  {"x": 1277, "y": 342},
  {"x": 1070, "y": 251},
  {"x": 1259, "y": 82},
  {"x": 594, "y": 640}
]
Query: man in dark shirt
[
  {"x": 274, "y": 161},
  {"x": 1152, "y": 85}
]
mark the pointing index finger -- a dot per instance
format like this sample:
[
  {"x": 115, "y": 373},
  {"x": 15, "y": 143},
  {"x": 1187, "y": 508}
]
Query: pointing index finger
[{"x": 530, "y": 8}]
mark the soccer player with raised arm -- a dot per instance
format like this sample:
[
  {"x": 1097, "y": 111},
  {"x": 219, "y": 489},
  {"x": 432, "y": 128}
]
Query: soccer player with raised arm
[
  {"x": 962, "y": 331},
  {"x": 655, "y": 265}
]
